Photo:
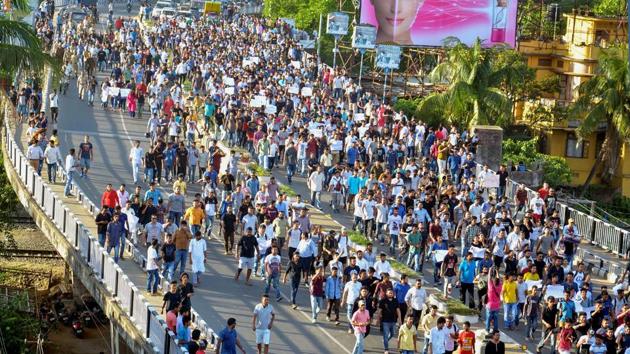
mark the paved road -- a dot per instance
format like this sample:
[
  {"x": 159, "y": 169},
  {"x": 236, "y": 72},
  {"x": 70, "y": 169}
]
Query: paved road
[{"x": 219, "y": 297}]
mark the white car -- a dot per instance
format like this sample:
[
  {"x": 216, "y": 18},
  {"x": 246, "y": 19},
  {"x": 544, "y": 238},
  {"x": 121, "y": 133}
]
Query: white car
[
  {"x": 168, "y": 12},
  {"x": 157, "y": 8}
]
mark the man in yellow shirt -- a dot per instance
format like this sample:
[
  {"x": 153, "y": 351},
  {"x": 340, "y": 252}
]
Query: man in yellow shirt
[
  {"x": 429, "y": 321},
  {"x": 180, "y": 183},
  {"x": 510, "y": 300},
  {"x": 531, "y": 274},
  {"x": 407, "y": 337},
  {"x": 195, "y": 216}
]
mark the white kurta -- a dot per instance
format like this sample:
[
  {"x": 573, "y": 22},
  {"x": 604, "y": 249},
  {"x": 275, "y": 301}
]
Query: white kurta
[{"x": 197, "y": 248}]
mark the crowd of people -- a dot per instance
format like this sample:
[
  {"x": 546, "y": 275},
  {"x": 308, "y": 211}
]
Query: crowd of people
[{"x": 215, "y": 92}]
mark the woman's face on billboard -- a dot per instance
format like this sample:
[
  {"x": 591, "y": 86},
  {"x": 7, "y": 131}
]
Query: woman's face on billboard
[{"x": 395, "y": 18}]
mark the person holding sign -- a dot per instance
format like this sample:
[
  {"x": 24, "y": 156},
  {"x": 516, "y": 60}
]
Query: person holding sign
[{"x": 438, "y": 250}]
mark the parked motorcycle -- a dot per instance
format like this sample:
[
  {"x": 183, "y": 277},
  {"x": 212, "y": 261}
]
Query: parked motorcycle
[{"x": 77, "y": 328}]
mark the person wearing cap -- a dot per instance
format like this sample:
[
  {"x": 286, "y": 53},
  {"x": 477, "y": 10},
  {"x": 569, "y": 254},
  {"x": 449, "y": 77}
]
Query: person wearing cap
[
  {"x": 360, "y": 321},
  {"x": 350, "y": 293},
  {"x": 227, "y": 339}
]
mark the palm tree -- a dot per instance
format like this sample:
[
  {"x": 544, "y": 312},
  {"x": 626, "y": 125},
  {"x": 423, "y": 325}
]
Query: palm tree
[
  {"x": 604, "y": 100},
  {"x": 477, "y": 86},
  {"x": 20, "y": 47}
]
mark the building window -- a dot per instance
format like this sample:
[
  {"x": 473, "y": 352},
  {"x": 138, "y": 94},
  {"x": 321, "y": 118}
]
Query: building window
[
  {"x": 560, "y": 64},
  {"x": 576, "y": 148},
  {"x": 544, "y": 62}
]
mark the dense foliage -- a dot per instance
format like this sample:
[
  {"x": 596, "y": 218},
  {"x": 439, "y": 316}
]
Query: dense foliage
[
  {"x": 555, "y": 169},
  {"x": 15, "y": 325}
]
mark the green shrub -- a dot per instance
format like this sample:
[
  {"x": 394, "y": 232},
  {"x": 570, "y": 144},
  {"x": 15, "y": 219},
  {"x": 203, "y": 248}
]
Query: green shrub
[
  {"x": 555, "y": 168},
  {"x": 456, "y": 307},
  {"x": 358, "y": 238},
  {"x": 258, "y": 170},
  {"x": 288, "y": 191}
]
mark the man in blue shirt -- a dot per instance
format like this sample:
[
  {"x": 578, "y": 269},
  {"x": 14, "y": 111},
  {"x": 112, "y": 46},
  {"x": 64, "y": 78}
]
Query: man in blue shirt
[
  {"x": 466, "y": 278},
  {"x": 153, "y": 194},
  {"x": 115, "y": 231},
  {"x": 400, "y": 291},
  {"x": 228, "y": 339},
  {"x": 567, "y": 307}
]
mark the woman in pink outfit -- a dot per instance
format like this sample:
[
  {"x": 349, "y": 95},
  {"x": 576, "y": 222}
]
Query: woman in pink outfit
[
  {"x": 494, "y": 299},
  {"x": 132, "y": 103}
]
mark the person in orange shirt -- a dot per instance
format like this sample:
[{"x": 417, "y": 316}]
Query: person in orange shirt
[
  {"x": 195, "y": 216},
  {"x": 109, "y": 199},
  {"x": 466, "y": 340}
]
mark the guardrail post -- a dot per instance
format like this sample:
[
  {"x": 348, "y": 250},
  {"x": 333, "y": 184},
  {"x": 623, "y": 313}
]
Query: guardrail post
[
  {"x": 167, "y": 342},
  {"x": 131, "y": 303},
  {"x": 76, "y": 236},
  {"x": 43, "y": 195},
  {"x": 593, "y": 227},
  {"x": 148, "y": 332},
  {"x": 102, "y": 265},
  {"x": 89, "y": 252},
  {"x": 620, "y": 244},
  {"x": 65, "y": 216},
  {"x": 116, "y": 284}
]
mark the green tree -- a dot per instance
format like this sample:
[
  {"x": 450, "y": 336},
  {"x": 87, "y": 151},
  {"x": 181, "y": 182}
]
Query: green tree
[
  {"x": 305, "y": 12},
  {"x": 605, "y": 100},
  {"x": 16, "y": 325},
  {"x": 476, "y": 81},
  {"x": 610, "y": 8},
  {"x": 20, "y": 47},
  {"x": 556, "y": 170}
]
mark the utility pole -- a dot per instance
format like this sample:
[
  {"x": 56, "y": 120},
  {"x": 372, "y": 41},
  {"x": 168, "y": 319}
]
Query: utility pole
[{"x": 319, "y": 41}]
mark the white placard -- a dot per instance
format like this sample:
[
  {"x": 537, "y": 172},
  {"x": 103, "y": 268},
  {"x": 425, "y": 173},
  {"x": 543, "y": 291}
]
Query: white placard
[
  {"x": 388, "y": 56},
  {"x": 255, "y": 60},
  {"x": 307, "y": 91},
  {"x": 557, "y": 291},
  {"x": 271, "y": 109},
  {"x": 296, "y": 64},
  {"x": 490, "y": 180},
  {"x": 255, "y": 103},
  {"x": 477, "y": 252},
  {"x": 359, "y": 117},
  {"x": 229, "y": 90},
  {"x": 294, "y": 90},
  {"x": 113, "y": 91},
  {"x": 439, "y": 255},
  {"x": 532, "y": 283},
  {"x": 228, "y": 81},
  {"x": 318, "y": 133},
  {"x": 247, "y": 62},
  {"x": 336, "y": 145},
  {"x": 262, "y": 100},
  {"x": 338, "y": 23},
  {"x": 587, "y": 310},
  {"x": 124, "y": 93},
  {"x": 364, "y": 37}
]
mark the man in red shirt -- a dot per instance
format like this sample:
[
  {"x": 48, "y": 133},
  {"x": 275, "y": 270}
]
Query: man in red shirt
[
  {"x": 466, "y": 340},
  {"x": 543, "y": 192},
  {"x": 109, "y": 199}
]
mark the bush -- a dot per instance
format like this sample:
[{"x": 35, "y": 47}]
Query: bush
[
  {"x": 358, "y": 238},
  {"x": 408, "y": 106},
  {"x": 288, "y": 191},
  {"x": 456, "y": 307},
  {"x": 555, "y": 168},
  {"x": 258, "y": 170}
]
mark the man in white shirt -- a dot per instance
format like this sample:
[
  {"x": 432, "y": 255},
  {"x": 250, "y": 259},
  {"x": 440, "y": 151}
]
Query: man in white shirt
[
  {"x": 123, "y": 195},
  {"x": 34, "y": 154},
  {"x": 394, "y": 223},
  {"x": 53, "y": 157},
  {"x": 351, "y": 292},
  {"x": 153, "y": 230},
  {"x": 71, "y": 169},
  {"x": 54, "y": 106},
  {"x": 537, "y": 204},
  {"x": 438, "y": 337},
  {"x": 382, "y": 266},
  {"x": 136, "y": 157},
  {"x": 152, "y": 268},
  {"x": 416, "y": 298},
  {"x": 316, "y": 184},
  {"x": 369, "y": 213}
]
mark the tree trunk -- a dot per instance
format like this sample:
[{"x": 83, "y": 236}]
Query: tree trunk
[{"x": 591, "y": 174}]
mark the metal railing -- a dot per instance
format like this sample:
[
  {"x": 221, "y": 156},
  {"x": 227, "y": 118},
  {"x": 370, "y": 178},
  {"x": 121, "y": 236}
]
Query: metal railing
[
  {"x": 122, "y": 289},
  {"x": 598, "y": 232}
]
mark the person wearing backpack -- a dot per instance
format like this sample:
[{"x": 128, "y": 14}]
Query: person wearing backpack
[{"x": 335, "y": 187}]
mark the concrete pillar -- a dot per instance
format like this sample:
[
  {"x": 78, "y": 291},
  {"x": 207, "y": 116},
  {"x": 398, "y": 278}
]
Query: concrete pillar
[
  {"x": 114, "y": 337},
  {"x": 489, "y": 148}
]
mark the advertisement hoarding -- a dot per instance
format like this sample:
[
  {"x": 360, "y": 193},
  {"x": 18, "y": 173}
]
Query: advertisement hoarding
[
  {"x": 388, "y": 56},
  {"x": 338, "y": 23},
  {"x": 429, "y": 22},
  {"x": 364, "y": 37}
]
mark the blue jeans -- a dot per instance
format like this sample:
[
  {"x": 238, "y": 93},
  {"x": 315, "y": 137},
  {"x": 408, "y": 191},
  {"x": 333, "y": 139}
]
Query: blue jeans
[
  {"x": 407, "y": 352},
  {"x": 69, "y": 179},
  {"x": 153, "y": 279},
  {"x": 123, "y": 240},
  {"x": 317, "y": 304},
  {"x": 135, "y": 171},
  {"x": 425, "y": 350},
  {"x": 416, "y": 258},
  {"x": 116, "y": 249},
  {"x": 393, "y": 245},
  {"x": 492, "y": 315},
  {"x": 52, "y": 172},
  {"x": 194, "y": 229},
  {"x": 349, "y": 308},
  {"x": 169, "y": 270},
  {"x": 532, "y": 324},
  {"x": 176, "y": 216},
  {"x": 181, "y": 256},
  {"x": 436, "y": 272},
  {"x": 101, "y": 239},
  {"x": 275, "y": 280},
  {"x": 358, "y": 346},
  {"x": 149, "y": 172},
  {"x": 290, "y": 171},
  {"x": 509, "y": 314},
  {"x": 388, "y": 333}
]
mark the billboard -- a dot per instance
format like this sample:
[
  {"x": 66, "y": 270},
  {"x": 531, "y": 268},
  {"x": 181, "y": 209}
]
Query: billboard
[
  {"x": 429, "y": 22},
  {"x": 364, "y": 37},
  {"x": 388, "y": 56},
  {"x": 338, "y": 23}
]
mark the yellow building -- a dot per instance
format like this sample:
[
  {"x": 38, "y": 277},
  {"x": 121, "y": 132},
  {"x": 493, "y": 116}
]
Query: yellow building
[{"x": 573, "y": 58}]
